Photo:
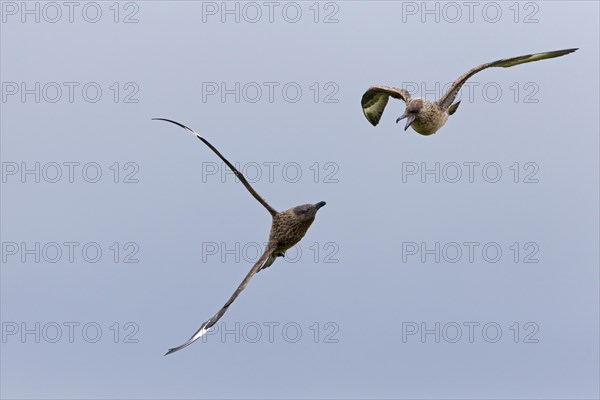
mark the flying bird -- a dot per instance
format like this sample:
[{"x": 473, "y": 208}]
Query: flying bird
[
  {"x": 427, "y": 117},
  {"x": 287, "y": 228}
]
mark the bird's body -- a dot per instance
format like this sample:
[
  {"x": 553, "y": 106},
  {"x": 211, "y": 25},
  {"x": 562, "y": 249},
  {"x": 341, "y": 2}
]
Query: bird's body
[
  {"x": 290, "y": 226},
  {"x": 427, "y": 117},
  {"x": 287, "y": 228}
]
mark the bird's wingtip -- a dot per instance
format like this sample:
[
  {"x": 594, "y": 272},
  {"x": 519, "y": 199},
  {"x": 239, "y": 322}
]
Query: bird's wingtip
[
  {"x": 178, "y": 124},
  {"x": 568, "y": 51},
  {"x": 191, "y": 340},
  {"x": 174, "y": 349},
  {"x": 169, "y": 352}
]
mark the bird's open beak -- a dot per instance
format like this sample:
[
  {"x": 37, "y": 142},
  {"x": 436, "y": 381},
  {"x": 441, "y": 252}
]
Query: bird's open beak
[
  {"x": 320, "y": 204},
  {"x": 409, "y": 119}
]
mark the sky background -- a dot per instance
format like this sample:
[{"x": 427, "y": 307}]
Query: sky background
[{"x": 480, "y": 280}]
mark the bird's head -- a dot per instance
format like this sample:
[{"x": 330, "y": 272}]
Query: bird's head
[
  {"x": 413, "y": 108},
  {"x": 307, "y": 211}
]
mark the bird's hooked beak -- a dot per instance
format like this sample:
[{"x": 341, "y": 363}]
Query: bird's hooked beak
[
  {"x": 320, "y": 204},
  {"x": 410, "y": 118}
]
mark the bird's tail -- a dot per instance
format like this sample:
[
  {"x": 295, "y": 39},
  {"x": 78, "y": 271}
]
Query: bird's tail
[
  {"x": 267, "y": 263},
  {"x": 452, "y": 109}
]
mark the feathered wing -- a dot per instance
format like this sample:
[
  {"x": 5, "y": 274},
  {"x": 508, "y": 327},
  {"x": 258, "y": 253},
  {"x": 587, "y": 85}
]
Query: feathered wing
[
  {"x": 208, "y": 324},
  {"x": 450, "y": 95},
  {"x": 237, "y": 173},
  {"x": 375, "y": 99}
]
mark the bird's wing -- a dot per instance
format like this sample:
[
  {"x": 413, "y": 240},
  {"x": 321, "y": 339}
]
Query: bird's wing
[
  {"x": 208, "y": 324},
  {"x": 375, "y": 99},
  {"x": 237, "y": 173},
  {"x": 450, "y": 95}
]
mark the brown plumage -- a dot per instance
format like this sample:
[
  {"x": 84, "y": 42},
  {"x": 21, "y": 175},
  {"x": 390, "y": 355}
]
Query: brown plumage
[
  {"x": 287, "y": 228},
  {"x": 427, "y": 117}
]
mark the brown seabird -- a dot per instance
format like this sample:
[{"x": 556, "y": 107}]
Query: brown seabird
[
  {"x": 287, "y": 229},
  {"x": 427, "y": 117}
]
